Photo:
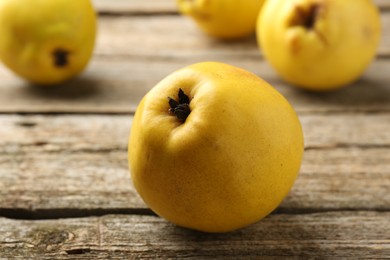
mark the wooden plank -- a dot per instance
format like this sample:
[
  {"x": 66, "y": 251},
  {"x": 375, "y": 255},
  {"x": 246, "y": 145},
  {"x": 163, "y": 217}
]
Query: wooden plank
[
  {"x": 135, "y": 6},
  {"x": 117, "y": 85},
  {"x": 159, "y": 6},
  {"x": 110, "y": 132},
  {"x": 176, "y": 36},
  {"x": 87, "y": 156},
  {"x": 165, "y": 36},
  {"x": 94, "y": 147},
  {"x": 383, "y": 4},
  {"x": 352, "y": 235},
  {"x": 34, "y": 179}
]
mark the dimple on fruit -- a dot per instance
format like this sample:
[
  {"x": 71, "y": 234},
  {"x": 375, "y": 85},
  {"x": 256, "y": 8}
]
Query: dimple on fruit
[
  {"x": 214, "y": 148},
  {"x": 226, "y": 19},
  {"x": 46, "y": 42},
  {"x": 319, "y": 44}
]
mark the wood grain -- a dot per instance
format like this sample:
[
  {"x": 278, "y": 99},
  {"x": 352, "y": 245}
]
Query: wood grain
[
  {"x": 117, "y": 85},
  {"x": 179, "y": 37},
  {"x": 86, "y": 155},
  {"x": 36, "y": 180},
  {"x": 135, "y": 6},
  {"x": 159, "y": 6},
  {"x": 110, "y": 132},
  {"x": 350, "y": 235}
]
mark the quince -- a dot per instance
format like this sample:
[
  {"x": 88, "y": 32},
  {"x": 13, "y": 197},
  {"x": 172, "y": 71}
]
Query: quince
[
  {"x": 214, "y": 148},
  {"x": 46, "y": 42},
  {"x": 225, "y": 19},
  {"x": 319, "y": 44}
]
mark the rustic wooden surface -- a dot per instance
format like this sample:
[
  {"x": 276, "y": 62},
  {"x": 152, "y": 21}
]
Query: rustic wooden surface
[
  {"x": 318, "y": 235},
  {"x": 65, "y": 189}
]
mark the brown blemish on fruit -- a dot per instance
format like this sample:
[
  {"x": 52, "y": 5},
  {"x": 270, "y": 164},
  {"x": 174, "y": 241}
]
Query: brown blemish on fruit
[
  {"x": 60, "y": 57},
  {"x": 367, "y": 33},
  {"x": 321, "y": 37},
  {"x": 203, "y": 17},
  {"x": 181, "y": 108},
  {"x": 295, "y": 44}
]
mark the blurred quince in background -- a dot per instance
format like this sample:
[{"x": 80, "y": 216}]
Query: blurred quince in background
[
  {"x": 47, "y": 42},
  {"x": 226, "y": 19},
  {"x": 319, "y": 45}
]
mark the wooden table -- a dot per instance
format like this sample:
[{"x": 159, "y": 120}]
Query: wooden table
[{"x": 65, "y": 190}]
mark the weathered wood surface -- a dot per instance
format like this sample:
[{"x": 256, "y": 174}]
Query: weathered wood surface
[
  {"x": 160, "y": 6},
  {"x": 35, "y": 149},
  {"x": 86, "y": 155},
  {"x": 179, "y": 37},
  {"x": 116, "y": 86},
  {"x": 353, "y": 235},
  {"x": 75, "y": 166},
  {"x": 36, "y": 184},
  {"x": 110, "y": 132},
  {"x": 137, "y": 6}
]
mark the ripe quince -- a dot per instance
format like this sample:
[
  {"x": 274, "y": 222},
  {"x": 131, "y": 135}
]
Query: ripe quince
[
  {"x": 214, "y": 148},
  {"x": 319, "y": 44},
  {"x": 225, "y": 19},
  {"x": 46, "y": 42}
]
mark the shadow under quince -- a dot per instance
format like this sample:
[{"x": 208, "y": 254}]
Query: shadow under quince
[
  {"x": 77, "y": 88},
  {"x": 367, "y": 91}
]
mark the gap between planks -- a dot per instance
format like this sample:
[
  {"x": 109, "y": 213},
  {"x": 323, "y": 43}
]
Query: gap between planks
[{"x": 62, "y": 213}]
